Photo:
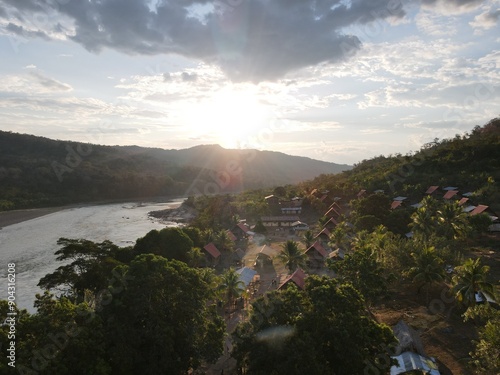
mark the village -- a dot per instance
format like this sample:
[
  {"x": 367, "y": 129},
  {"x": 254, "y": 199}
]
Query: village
[{"x": 257, "y": 259}]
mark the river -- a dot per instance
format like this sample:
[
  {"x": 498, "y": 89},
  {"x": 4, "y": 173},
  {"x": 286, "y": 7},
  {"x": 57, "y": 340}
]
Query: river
[{"x": 31, "y": 244}]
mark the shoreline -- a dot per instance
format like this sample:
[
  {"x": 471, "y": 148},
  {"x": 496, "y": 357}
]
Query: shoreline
[{"x": 18, "y": 216}]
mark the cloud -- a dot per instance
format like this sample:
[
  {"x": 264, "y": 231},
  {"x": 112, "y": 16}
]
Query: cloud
[
  {"x": 32, "y": 83},
  {"x": 452, "y": 6},
  {"x": 486, "y": 20},
  {"x": 250, "y": 40}
]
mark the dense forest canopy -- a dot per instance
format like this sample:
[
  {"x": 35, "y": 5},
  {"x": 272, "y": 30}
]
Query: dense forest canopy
[
  {"x": 36, "y": 171},
  {"x": 469, "y": 162}
]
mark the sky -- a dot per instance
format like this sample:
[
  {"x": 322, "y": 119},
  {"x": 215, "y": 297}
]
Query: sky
[{"x": 334, "y": 80}]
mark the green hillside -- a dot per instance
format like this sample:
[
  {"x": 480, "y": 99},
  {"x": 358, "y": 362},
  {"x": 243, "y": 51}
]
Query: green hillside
[
  {"x": 470, "y": 162},
  {"x": 36, "y": 171}
]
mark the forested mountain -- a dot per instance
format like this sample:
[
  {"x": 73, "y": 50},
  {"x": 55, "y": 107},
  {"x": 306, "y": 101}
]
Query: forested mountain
[
  {"x": 36, "y": 171},
  {"x": 470, "y": 162}
]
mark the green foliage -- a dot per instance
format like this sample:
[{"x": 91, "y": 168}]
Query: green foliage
[
  {"x": 362, "y": 269},
  {"x": 367, "y": 222},
  {"x": 170, "y": 243},
  {"x": 428, "y": 267},
  {"x": 162, "y": 322},
  {"x": 479, "y": 223},
  {"x": 260, "y": 228},
  {"x": 486, "y": 354},
  {"x": 321, "y": 330},
  {"x": 469, "y": 278},
  {"x": 291, "y": 256},
  {"x": 231, "y": 285},
  {"x": 89, "y": 268}
]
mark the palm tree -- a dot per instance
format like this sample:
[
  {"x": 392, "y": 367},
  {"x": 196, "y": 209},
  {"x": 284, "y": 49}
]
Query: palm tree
[
  {"x": 428, "y": 268},
  {"x": 452, "y": 220},
  {"x": 423, "y": 222},
  {"x": 338, "y": 238},
  {"x": 291, "y": 256},
  {"x": 308, "y": 238},
  {"x": 231, "y": 286},
  {"x": 470, "y": 278},
  {"x": 223, "y": 241}
]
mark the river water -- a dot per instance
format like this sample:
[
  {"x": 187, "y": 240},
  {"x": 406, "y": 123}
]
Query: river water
[{"x": 31, "y": 244}]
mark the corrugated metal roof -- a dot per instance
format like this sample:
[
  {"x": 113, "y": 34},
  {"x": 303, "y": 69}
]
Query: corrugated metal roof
[
  {"x": 450, "y": 194},
  {"x": 246, "y": 275},
  {"x": 280, "y": 218},
  {"x": 212, "y": 250},
  {"x": 324, "y": 231},
  {"x": 396, "y": 204},
  {"x": 298, "y": 278},
  {"x": 409, "y": 361},
  {"x": 479, "y": 209},
  {"x": 317, "y": 246},
  {"x": 431, "y": 189}
]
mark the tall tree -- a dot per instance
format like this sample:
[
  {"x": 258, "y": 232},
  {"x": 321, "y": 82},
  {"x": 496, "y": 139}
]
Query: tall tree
[
  {"x": 452, "y": 221},
  {"x": 291, "y": 256},
  {"x": 231, "y": 286},
  {"x": 163, "y": 321},
  {"x": 471, "y": 277},
  {"x": 308, "y": 238},
  {"x": 170, "y": 243},
  {"x": 324, "y": 329},
  {"x": 89, "y": 266},
  {"x": 428, "y": 268}
]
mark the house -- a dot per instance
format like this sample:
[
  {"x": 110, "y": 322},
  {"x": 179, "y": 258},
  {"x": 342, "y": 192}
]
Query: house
[
  {"x": 316, "y": 255},
  {"x": 409, "y": 362},
  {"x": 298, "y": 278},
  {"x": 241, "y": 231},
  {"x": 332, "y": 212},
  {"x": 246, "y": 275},
  {"x": 450, "y": 194},
  {"x": 331, "y": 223},
  {"x": 212, "y": 254},
  {"x": 290, "y": 208},
  {"x": 299, "y": 226},
  {"x": 323, "y": 236},
  {"x": 279, "y": 221},
  {"x": 361, "y": 193},
  {"x": 265, "y": 256},
  {"x": 431, "y": 190},
  {"x": 231, "y": 236},
  {"x": 462, "y": 201},
  {"x": 336, "y": 206},
  {"x": 326, "y": 200},
  {"x": 478, "y": 210},
  {"x": 410, "y": 352},
  {"x": 400, "y": 199},
  {"x": 272, "y": 200},
  {"x": 396, "y": 204}
]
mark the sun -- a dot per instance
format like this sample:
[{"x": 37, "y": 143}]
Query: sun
[{"x": 230, "y": 117}]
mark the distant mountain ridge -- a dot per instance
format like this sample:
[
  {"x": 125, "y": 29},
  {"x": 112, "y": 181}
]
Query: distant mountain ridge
[{"x": 37, "y": 171}]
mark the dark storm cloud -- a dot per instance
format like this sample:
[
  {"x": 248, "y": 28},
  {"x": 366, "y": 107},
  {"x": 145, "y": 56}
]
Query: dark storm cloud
[{"x": 251, "y": 40}]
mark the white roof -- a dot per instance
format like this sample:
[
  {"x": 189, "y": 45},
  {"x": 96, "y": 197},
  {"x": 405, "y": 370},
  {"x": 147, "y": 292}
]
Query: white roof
[
  {"x": 408, "y": 361},
  {"x": 417, "y": 205},
  {"x": 469, "y": 208},
  {"x": 450, "y": 188},
  {"x": 469, "y": 194},
  {"x": 246, "y": 275},
  {"x": 409, "y": 234},
  {"x": 400, "y": 198}
]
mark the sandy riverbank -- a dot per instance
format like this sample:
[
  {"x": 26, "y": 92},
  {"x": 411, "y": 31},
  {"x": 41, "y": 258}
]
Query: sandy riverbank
[{"x": 18, "y": 216}]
